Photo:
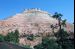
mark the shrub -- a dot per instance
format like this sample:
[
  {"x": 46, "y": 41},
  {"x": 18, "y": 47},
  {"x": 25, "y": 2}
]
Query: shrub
[
  {"x": 1, "y": 38},
  {"x": 63, "y": 40},
  {"x": 47, "y": 44},
  {"x": 30, "y": 37},
  {"x": 12, "y": 37}
]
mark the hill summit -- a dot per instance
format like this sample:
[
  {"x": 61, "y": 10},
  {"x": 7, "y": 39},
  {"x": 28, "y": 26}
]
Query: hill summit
[{"x": 31, "y": 21}]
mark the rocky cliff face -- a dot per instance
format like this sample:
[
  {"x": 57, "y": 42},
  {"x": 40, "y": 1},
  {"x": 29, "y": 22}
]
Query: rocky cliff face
[
  {"x": 28, "y": 22},
  {"x": 32, "y": 21}
]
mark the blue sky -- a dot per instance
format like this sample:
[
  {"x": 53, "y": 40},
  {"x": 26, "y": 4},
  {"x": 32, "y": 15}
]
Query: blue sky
[{"x": 11, "y": 7}]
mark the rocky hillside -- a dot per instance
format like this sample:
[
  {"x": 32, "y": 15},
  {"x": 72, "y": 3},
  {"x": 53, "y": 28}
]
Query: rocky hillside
[
  {"x": 28, "y": 22},
  {"x": 31, "y": 21}
]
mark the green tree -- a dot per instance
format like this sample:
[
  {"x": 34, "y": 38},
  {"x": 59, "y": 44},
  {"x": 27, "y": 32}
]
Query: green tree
[
  {"x": 12, "y": 37},
  {"x": 63, "y": 40},
  {"x": 1, "y": 38},
  {"x": 9, "y": 37},
  {"x": 57, "y": 15},
  {"x": 47, "y": 43},
  {"x": 62, "y": 35},
  {"x": 16, "y": 34}
]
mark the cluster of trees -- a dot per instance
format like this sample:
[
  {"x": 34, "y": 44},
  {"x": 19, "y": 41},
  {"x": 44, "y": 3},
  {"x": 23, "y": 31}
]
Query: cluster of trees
[
  {"x": 47, "y": 43},
  {"x": 11, "y": 37},
  {"x": 61, "y": 42}
]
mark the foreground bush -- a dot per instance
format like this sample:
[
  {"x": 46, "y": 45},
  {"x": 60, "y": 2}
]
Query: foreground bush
[
  {"x": 64, "y": 40},
  {"x": 1, "y": 38},
  {"x": 47, "y": 43},
  {"x": 12, "y": 37}
]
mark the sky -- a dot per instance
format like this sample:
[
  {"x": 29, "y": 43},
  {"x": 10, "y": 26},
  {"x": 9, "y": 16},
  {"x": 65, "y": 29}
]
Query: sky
[{"x": 11, "y": 7}]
